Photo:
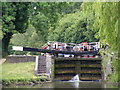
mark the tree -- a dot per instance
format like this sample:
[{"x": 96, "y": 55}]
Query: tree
[
  {"x": 41, "y": 24},
  {"x": 105, "y": 21},
  {"x": 28, "y": 39},
  {"x": 44, "y": 16},
  {"x": 15, "y": 19},
  {"x": 106, "y": 18},
  {"x": 73, "y": 28},
  {"x": 47, "y": 14}
]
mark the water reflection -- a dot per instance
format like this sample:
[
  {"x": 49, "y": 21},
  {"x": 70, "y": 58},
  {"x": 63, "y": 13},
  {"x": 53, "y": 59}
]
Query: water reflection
[
  {"x": 65, "y": 84},
  {"x": 77, "y": 85}
]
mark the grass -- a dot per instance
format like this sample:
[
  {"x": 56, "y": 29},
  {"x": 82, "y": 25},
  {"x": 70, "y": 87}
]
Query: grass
[{"x": 19, "y": 73}]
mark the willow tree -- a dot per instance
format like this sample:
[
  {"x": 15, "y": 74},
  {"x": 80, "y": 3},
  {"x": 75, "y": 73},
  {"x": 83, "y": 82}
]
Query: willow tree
[{"x": 105, "y": 21}]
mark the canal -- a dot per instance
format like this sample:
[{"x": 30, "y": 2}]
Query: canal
[{"x": 65, "y": 84}]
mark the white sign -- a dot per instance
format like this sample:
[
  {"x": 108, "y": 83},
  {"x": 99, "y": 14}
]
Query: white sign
[{"x": 17, "y": 48}]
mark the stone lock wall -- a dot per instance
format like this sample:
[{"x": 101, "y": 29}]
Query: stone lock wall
[{"x": 20, "y": 58}]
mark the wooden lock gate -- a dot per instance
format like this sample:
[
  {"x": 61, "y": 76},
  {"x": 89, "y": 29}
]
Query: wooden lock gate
[
  {"x": 86, "y": 68},
  {"x": 65, "y": 68}
]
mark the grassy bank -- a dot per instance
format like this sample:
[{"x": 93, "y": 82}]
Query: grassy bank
[{"x": 20, "y": 73}]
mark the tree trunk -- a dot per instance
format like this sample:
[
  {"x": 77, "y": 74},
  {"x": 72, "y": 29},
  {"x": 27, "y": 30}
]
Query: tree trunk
[{"x": 5, "y": 43}]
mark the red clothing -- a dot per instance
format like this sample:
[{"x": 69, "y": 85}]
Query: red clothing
[{"x": 46, "y": 47}]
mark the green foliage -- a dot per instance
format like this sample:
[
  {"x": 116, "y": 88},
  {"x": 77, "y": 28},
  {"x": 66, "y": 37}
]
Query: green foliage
[
  {"x": 8, "y": 17},
  {"x": 47, "y": 14},
  {"x": 73, "y": 28},
  {"x": 115, "y": 75},
  {"x": 105, "y": 20},
  {"x": 105, "y": 23},
  {"x": 43, "y": 21},
  {"x": 23, "y": 39},
  {"x": 28, "y": 39},
  {"x": 41, "y": 24},
  {"x": 61, "y": 21},
  {"x": 14, "y": 16},
  {"x": 14, "y": 19},
  {"x": 1, "y": 34}
]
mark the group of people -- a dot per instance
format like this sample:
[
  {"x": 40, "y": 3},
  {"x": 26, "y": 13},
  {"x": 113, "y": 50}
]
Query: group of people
[{"x": 84, "y": 46}]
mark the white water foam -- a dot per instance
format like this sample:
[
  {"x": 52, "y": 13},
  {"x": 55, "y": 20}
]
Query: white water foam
[{"x": 75, "y": 79}]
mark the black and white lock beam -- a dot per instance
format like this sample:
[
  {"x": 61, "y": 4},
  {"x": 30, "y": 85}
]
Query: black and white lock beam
[{"x": 19, "y": 48}]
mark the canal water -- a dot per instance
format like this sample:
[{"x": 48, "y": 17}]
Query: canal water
[{"x": 65, "y": 84}]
